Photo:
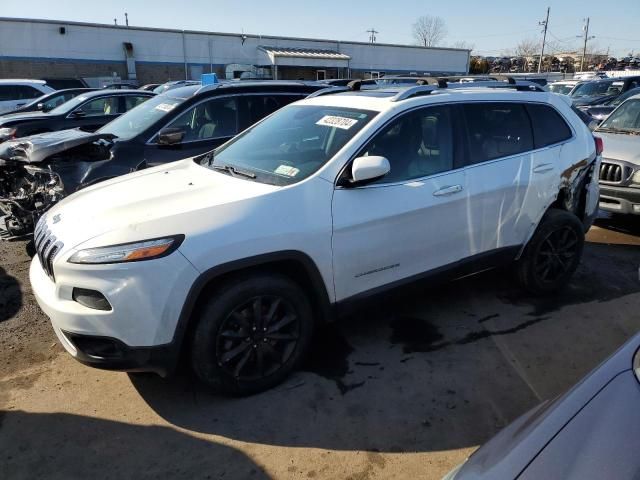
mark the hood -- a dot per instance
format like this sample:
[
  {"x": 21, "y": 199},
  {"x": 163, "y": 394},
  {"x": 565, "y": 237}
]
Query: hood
[
  {"x": 159, "y": 201},
  {"x": 621, "y": 146},
  {"x": 7, "y": 119},
  {"x": 36, "y": 148},
  {"x": 600, "y": 112},
  {"x": 591, "y": 100}
]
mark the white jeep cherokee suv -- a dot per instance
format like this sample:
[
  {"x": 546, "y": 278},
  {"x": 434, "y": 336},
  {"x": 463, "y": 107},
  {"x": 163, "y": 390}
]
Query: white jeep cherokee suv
[{"x": 231, "y": 258}]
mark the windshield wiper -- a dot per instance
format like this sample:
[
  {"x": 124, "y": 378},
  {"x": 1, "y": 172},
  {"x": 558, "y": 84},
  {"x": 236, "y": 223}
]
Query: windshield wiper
[{"x": 233, "y": 171}]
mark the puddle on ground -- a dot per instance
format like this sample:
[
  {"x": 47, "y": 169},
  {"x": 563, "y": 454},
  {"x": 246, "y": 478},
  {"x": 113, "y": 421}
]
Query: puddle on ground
[
  {"x": 415, "y": 334},
  {"x": 329, "y": 357}
]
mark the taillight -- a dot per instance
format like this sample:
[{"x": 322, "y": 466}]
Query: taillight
[{"x": 599, "y": 145}]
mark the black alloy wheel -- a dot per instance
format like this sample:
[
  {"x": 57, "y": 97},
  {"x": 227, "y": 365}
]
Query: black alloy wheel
[
  {"x": 556, "y": 254},
  {"x": 251, "y": 332},
  {"x": 553, "y": 254},
  {"x": 257, "y": 337}
]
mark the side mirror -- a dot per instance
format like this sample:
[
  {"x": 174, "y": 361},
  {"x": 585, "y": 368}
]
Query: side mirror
[
  {"x": 170, "y": 136},
  {"x": 368, "y": 169},
  {"x": 40, "y": 106}
]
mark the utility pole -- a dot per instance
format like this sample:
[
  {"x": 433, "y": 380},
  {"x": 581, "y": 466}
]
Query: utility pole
[
  {"x": 372, "y": 37},
  {"x": 126, "y": 19},
  {"x": 586, "y": 39},
  {"x": 545, "y": 23}
]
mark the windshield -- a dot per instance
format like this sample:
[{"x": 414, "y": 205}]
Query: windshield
[
  {"x": 293, "y": 143},
  {"x": 591, "y": 89},
  {"x": 626, "y": 118},
  {"x": 138, "y": 119},
  {"x": 618, "y": 100},
  {"x": 563, "y": 89},
  {"x": 70, "y": 105}
]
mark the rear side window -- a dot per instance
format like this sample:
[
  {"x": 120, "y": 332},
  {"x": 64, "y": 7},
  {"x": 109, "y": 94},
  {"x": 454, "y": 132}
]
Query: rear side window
[
  {"x": 25, "y": 92},
  {"x": 7, "y": 93},
  {"x": 549, "y": 127},
  {"x": 497, "y": 130}
]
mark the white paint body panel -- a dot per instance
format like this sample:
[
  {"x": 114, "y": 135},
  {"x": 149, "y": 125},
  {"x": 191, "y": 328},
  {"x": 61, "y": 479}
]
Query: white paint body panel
[{"x": 359, "y": 239}]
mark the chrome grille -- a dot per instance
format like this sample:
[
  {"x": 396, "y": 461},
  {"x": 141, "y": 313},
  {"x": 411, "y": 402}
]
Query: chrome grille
[
  {"x": 613, "y": 172},
  {"x": 47, "y": 246}
]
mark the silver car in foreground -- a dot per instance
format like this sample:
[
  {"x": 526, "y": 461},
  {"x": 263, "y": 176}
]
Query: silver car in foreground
[{"x": 591, "y": 432}]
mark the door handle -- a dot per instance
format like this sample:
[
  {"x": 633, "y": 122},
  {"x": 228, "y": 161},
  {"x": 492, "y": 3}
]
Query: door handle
[
  {"x": 450, "y": 190},
  {"x": 543, "y": 167}
]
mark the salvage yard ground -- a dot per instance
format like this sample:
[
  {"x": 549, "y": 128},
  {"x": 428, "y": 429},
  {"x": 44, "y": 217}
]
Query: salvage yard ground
[{"x": 406, "y": 389}]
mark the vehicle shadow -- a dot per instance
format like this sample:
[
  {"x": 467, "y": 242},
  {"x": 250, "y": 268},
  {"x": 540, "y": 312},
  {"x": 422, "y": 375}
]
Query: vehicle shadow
[
  {"x": 10, "y": 296},
  {"x": 82, "y": 447},
  {"x": 426, "y": 369},
  {"x": 629, "y": 224}
]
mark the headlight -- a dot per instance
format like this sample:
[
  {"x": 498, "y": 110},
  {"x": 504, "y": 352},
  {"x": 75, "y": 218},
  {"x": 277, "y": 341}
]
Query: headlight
[
  {"x": 129, "y": 252},
  {"x": 636, "y": 178},
  {"x": 6, "y": 133}
]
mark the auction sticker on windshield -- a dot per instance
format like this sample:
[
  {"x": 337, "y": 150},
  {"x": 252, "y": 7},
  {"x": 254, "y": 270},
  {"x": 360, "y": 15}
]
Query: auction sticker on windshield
[
  {"x": 287, "y": 170},
  {"x": 165, "y": 107},
  {"x": 338, "y": 122}
]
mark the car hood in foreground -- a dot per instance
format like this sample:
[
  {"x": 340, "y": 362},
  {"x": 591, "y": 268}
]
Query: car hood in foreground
[
  {"x": 36, "y": 148},
  {"x": 177, "y": 198},
  {"x": 621, "y": 146},
  {"x": 592, "y": 100}
]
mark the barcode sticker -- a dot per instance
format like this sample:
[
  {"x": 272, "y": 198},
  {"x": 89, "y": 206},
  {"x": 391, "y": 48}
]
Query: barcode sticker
[{"x": 337, "y": 122}]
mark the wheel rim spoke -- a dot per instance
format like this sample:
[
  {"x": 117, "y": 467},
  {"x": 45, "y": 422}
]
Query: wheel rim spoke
[
  {"x": 243, "y": 361},
  {"x": 286, "y": 320},
  {"x": 234, "y": 352}
]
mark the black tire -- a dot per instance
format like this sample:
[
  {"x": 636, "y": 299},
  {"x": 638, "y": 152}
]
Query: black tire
[
  {"x": 236, "y": 354},
  {"x": 553, "y": 254}
]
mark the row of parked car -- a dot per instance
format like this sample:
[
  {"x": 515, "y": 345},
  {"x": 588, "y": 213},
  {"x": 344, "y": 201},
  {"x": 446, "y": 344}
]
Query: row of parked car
[{"x": 290, "y": 203}]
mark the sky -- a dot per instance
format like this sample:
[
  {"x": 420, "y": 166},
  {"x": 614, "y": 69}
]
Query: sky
[{"x": 492, "y": 27}]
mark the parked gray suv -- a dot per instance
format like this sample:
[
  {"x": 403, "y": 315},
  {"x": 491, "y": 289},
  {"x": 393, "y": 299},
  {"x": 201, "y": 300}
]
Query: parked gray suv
[{"x": 620, "y": 170}]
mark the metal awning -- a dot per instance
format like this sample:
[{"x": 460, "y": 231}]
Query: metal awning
[{"x": 287, "y": 56}]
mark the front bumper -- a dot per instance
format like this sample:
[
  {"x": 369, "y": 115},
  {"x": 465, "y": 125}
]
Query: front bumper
[
  {"x": 623, "y": 200},
  {"x": 137, "y": 334}
]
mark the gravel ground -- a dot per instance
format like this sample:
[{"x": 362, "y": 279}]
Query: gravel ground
[{"x": 406, "y": 389}]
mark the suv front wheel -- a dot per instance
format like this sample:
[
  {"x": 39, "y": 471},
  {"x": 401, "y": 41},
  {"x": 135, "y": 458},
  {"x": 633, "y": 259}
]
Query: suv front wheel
[
  {"x": 251, "y": 334},
  {"x": 553, "y": 253}
]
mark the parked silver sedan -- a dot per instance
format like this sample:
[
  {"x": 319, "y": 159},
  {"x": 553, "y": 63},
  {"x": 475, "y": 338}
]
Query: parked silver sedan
[{"x": 592, "y": 432}]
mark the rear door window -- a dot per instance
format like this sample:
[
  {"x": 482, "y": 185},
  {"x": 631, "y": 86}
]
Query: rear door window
[
  {"x": 7, "y": 93},
  {"x": 25, "y": 92},
  {"x": 497, "y": 130},
  {"x": 549, "y": 127}
]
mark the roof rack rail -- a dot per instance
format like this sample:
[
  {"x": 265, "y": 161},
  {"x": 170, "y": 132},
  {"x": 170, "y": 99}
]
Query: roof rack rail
[
  {"x": 417, "y": 91},
  {"x": 328, "y": 91}
]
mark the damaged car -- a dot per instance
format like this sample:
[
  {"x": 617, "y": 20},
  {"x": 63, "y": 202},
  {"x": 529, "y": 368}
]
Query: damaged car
[
  {"x": 37, "y": 171},
  {"x": 88, "y": 111}
]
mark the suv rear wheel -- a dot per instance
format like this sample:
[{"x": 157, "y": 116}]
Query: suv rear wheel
[
  {"x": 251, "y": 334},
  {"x": 553, "y": 253}
]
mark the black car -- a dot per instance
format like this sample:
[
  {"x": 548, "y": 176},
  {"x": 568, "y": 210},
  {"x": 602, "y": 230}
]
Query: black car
[
  {"x": 38, "y": 171},
  {"x": 88, "y": 111},
  {"x": 48, "y": 102},
  {"x": 600, "y": 91},
  {"x": 600, "y": 112}
]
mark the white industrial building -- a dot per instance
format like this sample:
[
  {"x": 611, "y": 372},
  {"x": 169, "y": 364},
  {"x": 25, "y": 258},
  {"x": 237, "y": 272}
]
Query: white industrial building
[{"x": 47, "y": 48}]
